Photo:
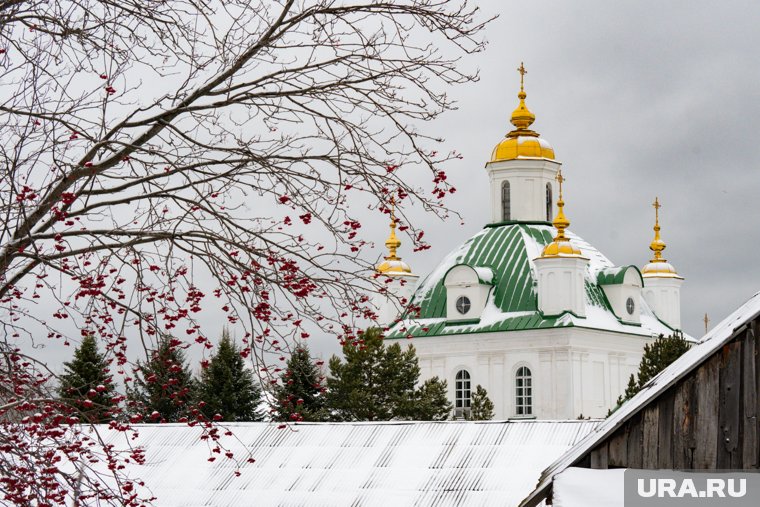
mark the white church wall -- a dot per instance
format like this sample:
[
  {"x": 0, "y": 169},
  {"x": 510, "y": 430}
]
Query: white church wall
[{"x": 574, "y": 370}]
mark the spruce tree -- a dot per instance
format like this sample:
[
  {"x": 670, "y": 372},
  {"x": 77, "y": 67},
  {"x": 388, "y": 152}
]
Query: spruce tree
[
  {"x": 481, "y": 407},
  {"x": 300, "y": 396},
  {"x": 227, "y": 388},
  {"x": 373, "y": 382},
  {"x": 431, "y": 403},
  {"x": 163, "y": 386},
  {"x": 658, "y": 355},
  {"x": 377, "y": 383},
  {"x": 86, "y": 384}
]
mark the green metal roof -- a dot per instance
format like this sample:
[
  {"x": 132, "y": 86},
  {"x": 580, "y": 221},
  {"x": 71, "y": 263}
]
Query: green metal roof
[
  {"x": 616, "y": 276},
  {"x": 508, "y": 250}
]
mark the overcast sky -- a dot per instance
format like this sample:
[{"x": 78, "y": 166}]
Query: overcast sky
[{"x": 639, "y": 99}]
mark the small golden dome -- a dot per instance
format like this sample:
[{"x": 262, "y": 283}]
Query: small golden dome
[
  {"x": 393, "y": 265},
  {"x": 561, "y": 246},
  {"x": 658, "y": 267},
  {"x": 561, "y": 249},
  {"x": 522, "y": 142},
  {"x": 661, "y": 269}
]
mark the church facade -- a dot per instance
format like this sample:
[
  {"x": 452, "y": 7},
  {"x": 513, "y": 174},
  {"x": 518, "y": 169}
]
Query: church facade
[{"x": 549, "y": 326}]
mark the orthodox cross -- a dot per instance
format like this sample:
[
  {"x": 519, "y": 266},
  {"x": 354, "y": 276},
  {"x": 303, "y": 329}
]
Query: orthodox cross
[
  {"x": 656, "y": 204},
  {"x": 522, "y": 71}
]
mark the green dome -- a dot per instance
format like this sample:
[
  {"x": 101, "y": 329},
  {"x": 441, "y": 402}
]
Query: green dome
[{"x": 508, "y": 250}]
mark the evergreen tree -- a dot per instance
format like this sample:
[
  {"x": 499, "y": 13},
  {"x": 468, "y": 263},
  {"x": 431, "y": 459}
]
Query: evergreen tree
[
  {"x": 227, "y": 387},
  {"x": 658, "y": 355},
  {"x": 300, "y": 395},
  {"x": 481, "y": 407},
  {"x": 163, "y": 386},
  {"x": 377, "y": 383},
  {"x": 86, "y": 384},
  {"x": 431, "y": 403},
  {"x": 373, "y": 382}
]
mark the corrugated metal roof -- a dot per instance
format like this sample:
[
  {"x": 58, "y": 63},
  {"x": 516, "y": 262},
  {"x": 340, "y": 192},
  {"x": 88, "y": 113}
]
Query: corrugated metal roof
[
  {"x": 690, "y": 360},
  {"x": 508, "y": 250},
  {"x": 351, "y": 464}
]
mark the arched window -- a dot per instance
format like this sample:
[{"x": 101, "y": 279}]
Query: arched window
[
  {"x": 506, "y": 202},
  {"x": 523, "y": 391},
  {"x": 462, "y": 394},
  {"x": 549, "y": 202}
]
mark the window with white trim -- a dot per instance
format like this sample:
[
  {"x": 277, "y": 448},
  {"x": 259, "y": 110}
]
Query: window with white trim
[
  {"x": 549, "y": 202},
  {"x": 523, "y": 391},
  {"x": 462, "y": 393}
]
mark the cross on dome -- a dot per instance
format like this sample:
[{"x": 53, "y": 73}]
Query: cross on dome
[
  {"x": 657, "y": 245},
  {"x": 522, "y": 71}
]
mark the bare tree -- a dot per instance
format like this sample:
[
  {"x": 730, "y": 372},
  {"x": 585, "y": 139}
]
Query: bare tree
[{"x": 160, "y": 157}]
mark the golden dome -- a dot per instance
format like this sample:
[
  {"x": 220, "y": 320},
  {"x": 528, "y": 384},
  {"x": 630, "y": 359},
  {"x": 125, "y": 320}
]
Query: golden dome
[
  {"x": 393, "y": 265},
  {"x": 522, "y": 146},
  {"x": 658, "y": 267},
  {"x": 522, "y": 142},
  {"x": 561, "y": 246},
  {"x": 662, "y": 269}
]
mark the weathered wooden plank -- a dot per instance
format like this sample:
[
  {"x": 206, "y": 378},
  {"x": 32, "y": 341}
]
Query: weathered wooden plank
[
  {"x": 683, "y": 424},
  {"x": 617, "y": 457},
  {"x": 635, "y": 441},
  {"x": 730, "y": 410},
  {"x": 750, "y": 444},
  {"x": 651, "y": 443},
  {"x": 599, "y": 457},
  {"x": 665, "y": 430},
  {"x": 706, "y": 409}
]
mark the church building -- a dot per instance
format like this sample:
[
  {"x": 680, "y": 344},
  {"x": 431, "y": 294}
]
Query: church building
[{"x": 549, "y": 326}]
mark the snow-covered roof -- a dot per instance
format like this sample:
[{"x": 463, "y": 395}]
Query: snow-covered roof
[
  {"x": 699, "y": 353},
  {"x": 504, "y": 255},
  {"x": 351, "y": 464},
  {"x": 581, "y": 487}
]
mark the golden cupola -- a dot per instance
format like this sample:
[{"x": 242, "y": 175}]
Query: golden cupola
[
  {"x": 561, "y": 246},
  {"x": 658, "y": 267},
  {"x": 522, "y": 142},
  {"x": 393, "y": 265}
]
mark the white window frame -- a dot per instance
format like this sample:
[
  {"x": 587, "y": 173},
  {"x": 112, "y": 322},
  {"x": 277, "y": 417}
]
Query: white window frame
[
  {"x": 524, "y": 392},
  {"x": 462, "y": 393}
]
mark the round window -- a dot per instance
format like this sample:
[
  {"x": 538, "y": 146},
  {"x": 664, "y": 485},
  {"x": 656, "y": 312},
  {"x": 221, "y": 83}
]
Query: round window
[
  {"x": 463, "y": 304},
  {"x": 630, "y": 306}
]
